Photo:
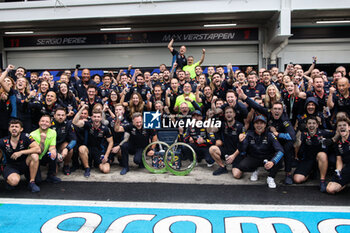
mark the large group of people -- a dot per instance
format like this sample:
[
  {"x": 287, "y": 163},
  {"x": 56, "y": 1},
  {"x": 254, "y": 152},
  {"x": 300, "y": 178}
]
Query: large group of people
[{"x": 292, "y": 119}]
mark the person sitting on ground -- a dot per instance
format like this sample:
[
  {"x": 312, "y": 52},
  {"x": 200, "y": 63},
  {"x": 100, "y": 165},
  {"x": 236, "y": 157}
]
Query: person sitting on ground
[{"x": 46, "y": 138}]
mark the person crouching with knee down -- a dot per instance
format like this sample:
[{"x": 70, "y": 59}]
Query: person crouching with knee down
[{"x": 261, "y": 148}]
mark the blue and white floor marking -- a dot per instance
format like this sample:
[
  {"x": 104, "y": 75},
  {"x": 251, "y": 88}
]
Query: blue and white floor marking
[{"x": 61, "y": 216}]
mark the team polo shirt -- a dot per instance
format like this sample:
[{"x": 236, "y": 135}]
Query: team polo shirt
[
  {"x": 252, "y": 92},
  {"x": 97, "y": 136},
  {"x": 343, "y": 150},
  {"x": 230, "y": 135},
  {"x": 139, "y": 138},
  {"x": 181, "y": 61},
  {"x": 341, "y": 104},
  {"x": 23, "y": 144}
]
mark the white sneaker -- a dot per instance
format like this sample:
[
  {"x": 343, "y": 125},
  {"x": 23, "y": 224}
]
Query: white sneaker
[
  {"x": 210, "y": 164},
  {"x": 254, "y": 176},
  {"x": 271, "y": 182}
]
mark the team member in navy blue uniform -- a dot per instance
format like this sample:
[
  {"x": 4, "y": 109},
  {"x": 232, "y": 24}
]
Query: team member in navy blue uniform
[
  {"x": 141, "y": 88},
  {"x": 105, "y": 89},
  {"x": 64, "y": 79},
  {"x": 67, "y": 100},
  {"x": 200, "y": 140},
  {"x": 138, "y": 138},
  {"x": 227, "y": 142},
  {"x": 157, "y": 96},
  {"x": 311, "y": 109},
  {"x": 280, "y": 126},
  {"x": 66, "y": 138},
  {"x": 100, "y": 141},
  {"x": 205, "y": 98},
  {"x": 82, "y": 140},
  {"x": 258, "y": 146},
  {"x": 21, "y": 153},
  {"x": 46, "y": 107},
  {"x": 122, "y": 83},
  {"x": 33, "y": 81},
  {"x": 343, "y": 158},
  {"x": 219, "y": 86},
  {"x": 253, "y": 88},
  {"x": 22, "y": 104},
  {"x": 294, "y": 104},
  {"x": 319, "y": 92},
  {"x": 118, "y": 136},
  {"x": 82, "y": 84},
  {"x": 111, "y": 102},
  {"x": 180, "y": 56},
  {"x": 231, "y": 100},
  {"x": 91, "y": 98},
  {"x": 172, "y": 93},
  {"x": 8, "y": 106},
  {"x": 313, "y": 152},
  {"x": 20, "y": 73},
  {"x": 340, "y": 101},
  {"x": 166, "y": 80}
]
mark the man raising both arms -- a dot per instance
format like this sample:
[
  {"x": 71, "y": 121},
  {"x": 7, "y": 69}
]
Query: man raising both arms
[{"x": 179, "y": 57}]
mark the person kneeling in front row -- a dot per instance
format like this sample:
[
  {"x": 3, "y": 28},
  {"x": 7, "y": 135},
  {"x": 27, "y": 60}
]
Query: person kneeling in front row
[
  {"x": 100, "y": 142},
  {"x": 259, "y": 146},
  {"x": 342, "y": 177},
  {"x": 21, "y": 153}
]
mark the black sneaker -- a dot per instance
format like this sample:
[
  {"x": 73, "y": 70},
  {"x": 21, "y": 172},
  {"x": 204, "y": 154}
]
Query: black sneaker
[
  {"x": 124, "y": 171},
  {"x": 288, "y": 180},
  {"x": 66, "y": 170},
  {"x": 53, "y": 179},
  {"x": 323, "y": 186},
  {"x": 219, "y": 171},
  {"x": 33, "y": 187},
  {"x": 87, "y": 172}
]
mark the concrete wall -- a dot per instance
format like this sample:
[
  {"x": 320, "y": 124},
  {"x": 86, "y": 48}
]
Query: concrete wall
[
  {"x": 122, "y": 57},
  {"x": 326, "y": 52}
]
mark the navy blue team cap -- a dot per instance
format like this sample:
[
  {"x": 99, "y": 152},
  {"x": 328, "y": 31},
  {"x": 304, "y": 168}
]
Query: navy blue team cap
[
  {"x": 260, "y": 118},
  {"x": 196, "y": 112}
]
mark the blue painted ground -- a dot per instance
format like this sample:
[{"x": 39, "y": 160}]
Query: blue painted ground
[{"x": 24, "y": 218}]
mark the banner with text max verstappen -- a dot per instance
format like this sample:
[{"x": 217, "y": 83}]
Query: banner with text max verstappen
[{"x": 147, "y": 37}]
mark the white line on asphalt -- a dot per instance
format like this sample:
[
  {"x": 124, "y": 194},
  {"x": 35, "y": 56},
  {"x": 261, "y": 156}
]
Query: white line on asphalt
[{"x": 163, "y": 205}]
